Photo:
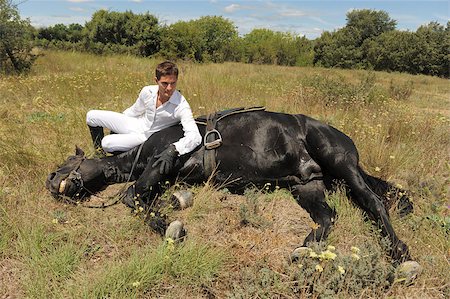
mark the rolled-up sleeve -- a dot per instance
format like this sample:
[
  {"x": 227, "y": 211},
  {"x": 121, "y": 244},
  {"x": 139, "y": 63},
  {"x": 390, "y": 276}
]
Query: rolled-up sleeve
[{"x": 192, "y": 137}]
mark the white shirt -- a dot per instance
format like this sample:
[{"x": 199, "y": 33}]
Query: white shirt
[{"x": 175, "y": 110}]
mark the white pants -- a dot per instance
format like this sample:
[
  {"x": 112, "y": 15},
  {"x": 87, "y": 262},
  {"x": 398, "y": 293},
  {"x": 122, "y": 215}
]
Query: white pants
[{"x": 129, "y": 129}]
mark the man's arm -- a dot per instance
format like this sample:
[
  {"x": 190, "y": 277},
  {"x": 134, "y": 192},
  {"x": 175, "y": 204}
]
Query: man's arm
[
  {"x": 192, "y": 137},
  {"x": 138, "y": 108}
]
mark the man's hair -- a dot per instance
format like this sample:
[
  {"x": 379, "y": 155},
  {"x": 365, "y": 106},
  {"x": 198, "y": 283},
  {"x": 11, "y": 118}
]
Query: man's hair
[{"x": 166, "y": 68}]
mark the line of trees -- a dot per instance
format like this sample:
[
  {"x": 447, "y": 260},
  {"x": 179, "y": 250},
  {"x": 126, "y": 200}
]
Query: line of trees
[
  {"x": 368, "y": 41},
  {"x": 207, "y": 39}
]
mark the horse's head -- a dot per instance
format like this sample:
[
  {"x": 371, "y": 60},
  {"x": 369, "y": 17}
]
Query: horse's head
[{"x": 73, "y": 177}]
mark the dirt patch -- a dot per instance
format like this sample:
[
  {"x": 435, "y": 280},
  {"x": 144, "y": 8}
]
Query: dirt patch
[
  {"x": 275, "y": 226},
  {"x": 9, "y": 280}
]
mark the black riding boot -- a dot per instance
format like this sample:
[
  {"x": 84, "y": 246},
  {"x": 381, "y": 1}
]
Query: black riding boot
[{"x": 97, "y": 136}]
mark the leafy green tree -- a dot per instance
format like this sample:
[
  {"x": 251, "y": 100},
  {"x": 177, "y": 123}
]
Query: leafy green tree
[
  {"x": 218, "y": 35},
  {"x": 339, "y": 49},
  {"x": 369, "y": 23},
  {"x": 16, "y": 40},
  {"x": 209, "y": 38},
  {"x": 139, "y": 32},
  {"x": 436, "y": 57},
  {"x": 60, "y": 32},
  {"x": 343, "y": 47},
  {"x": 182, "y": 40},
  {"x": 259, "y": 47},
  {"x": 263, "y": 46},
  {"x": 421, "y": 52},
  {"x": 396, "y": 51}
]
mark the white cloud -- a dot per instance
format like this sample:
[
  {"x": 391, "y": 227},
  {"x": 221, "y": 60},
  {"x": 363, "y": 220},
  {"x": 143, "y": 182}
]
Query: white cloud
[
  {"x": 232, "y": 8},
  {"x": 77, "y": 9},
  {"x": 293, "y": 13},
  {"x": 79, "y": 1},
  {"x": 136, "y": 1}
]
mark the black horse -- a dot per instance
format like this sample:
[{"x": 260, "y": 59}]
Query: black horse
[{"x": 290, "y": 151}]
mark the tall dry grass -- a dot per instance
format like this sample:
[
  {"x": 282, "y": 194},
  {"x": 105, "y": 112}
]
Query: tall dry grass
[{"x": 238, "y": 245}]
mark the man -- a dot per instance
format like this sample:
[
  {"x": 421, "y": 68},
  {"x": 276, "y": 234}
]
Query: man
[{"x": 157, "y": 107}]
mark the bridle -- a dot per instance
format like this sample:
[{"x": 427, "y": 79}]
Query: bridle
[{"x": 75, "y": 178}]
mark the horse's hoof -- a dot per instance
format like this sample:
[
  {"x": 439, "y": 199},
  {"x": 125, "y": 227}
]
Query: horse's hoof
[
  {"x": 407, "y": 272},
  {"x": 183, "y": 199},
  {"x": 175, "y": 231},
  {"x": 298, "y": 253}
]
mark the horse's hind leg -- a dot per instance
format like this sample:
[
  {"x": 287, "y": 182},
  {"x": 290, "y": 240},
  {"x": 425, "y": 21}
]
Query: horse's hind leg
[
  {"x": 337, "y": 156},
  {"x": 311, "y": 197}
]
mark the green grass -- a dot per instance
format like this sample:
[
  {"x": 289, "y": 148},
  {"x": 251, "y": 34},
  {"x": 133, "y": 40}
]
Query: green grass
[{"x": 238, "y": 246}]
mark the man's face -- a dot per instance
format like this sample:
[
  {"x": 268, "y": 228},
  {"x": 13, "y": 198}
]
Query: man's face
[{"x": 167, "y": 85}]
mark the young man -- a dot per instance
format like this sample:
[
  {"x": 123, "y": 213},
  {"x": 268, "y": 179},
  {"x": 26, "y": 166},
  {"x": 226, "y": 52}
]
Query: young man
[{"x": 157, "y": 107}]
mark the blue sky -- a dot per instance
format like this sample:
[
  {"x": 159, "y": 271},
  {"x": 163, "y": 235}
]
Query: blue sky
[{"x": 308, "y": 18}]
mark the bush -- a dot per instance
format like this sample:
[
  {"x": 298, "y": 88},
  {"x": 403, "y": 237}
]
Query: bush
[{"x": 16, "y": 40}]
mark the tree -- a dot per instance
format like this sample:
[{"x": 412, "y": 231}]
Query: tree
[
  {"x": 339, "y": 49},
  {"x": 422, "y": 52},
  {"x": 218, "y": 35},
  {"x": 436, "y": 57},
  {"x": 399, "y": 51},
  {"x": 263, "y": 46},
  {"x": 343, "y": 48},
  {"x": 138, "y": 32},
  {"x": 209, "y": 38},
  {"x": 16, "y": 40},
  {"x": 182, "y": 40},
  {"x": 61, "y": 32},
  {"x": 369, "y": 23}
]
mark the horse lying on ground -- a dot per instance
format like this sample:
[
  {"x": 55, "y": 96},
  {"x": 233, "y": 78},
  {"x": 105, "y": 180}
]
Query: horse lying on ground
[{"x": 294, "y": 152}]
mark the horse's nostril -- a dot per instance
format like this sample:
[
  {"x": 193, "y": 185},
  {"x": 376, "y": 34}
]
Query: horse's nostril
[
  {"x": 51, "y": 176},
  {"x": 48, "y": 182}
]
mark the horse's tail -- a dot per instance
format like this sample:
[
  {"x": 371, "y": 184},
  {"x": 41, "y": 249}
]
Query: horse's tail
[{"x": 390, "y": 194}]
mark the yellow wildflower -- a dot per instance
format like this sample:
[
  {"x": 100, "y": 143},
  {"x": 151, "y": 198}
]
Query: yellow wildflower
[
  {"x": 327, "y": 255},
  {"x": 55, "y": 221},
  {"x": 319, "y": 268},
  {"x": 355, "y": 249},
  {"x": 377, "y": 169},
  {"x": 136, "y": 284},
  {"x": 331, "y": 248},
  {"x": 355, "y": 256},
  {"x": 341, "y": 270},
  {"x": 313, "y": 254}
]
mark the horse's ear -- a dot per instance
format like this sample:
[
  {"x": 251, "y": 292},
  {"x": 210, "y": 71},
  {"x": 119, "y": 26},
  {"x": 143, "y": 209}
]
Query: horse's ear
[{"x": 78, "y": 151}]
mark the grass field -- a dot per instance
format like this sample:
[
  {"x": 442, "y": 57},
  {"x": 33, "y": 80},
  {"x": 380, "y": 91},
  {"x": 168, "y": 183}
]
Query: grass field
[{"x": 238, "y": 246}]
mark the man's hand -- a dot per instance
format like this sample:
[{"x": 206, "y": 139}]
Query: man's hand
[{"x": 166, "y": 159}]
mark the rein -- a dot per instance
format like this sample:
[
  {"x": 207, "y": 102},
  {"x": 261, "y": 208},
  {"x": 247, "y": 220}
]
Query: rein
[{"x": 116, "y": 197}]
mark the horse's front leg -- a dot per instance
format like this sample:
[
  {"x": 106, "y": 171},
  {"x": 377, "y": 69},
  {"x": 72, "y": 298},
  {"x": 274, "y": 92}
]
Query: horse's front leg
[{"x": 143, "y": 198}]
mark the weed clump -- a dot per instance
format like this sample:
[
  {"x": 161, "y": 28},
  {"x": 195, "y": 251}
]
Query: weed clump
[{"x": 324, "y": 272}]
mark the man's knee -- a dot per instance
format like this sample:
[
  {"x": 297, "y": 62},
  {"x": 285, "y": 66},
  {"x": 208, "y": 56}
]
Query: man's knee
[
  {"x": 91, "y": 118},
  {"x": 108, "y": 145}
]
